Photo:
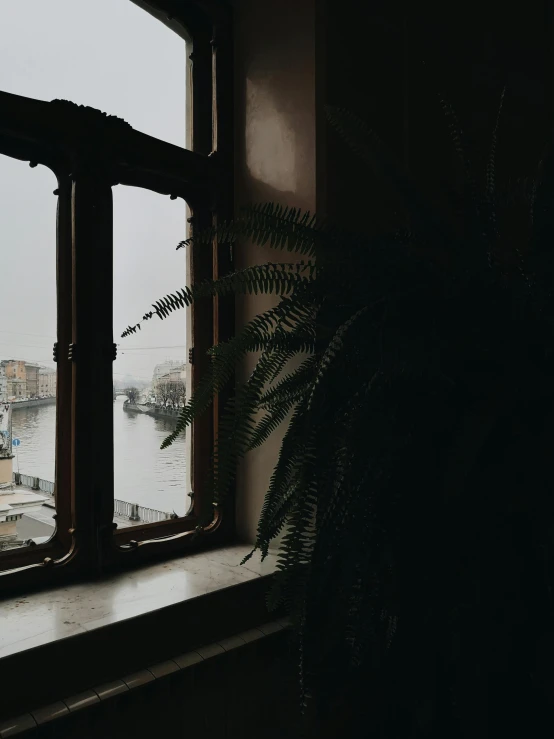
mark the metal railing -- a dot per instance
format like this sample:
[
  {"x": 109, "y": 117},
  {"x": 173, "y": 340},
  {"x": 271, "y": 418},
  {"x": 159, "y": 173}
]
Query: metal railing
[
  {"x": 35, "y": 483},
  {"x": 135, "y": 512},
  {"x": 132, "y": 511}
]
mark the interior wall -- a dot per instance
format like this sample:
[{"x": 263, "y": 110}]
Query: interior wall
[
  {"x": 275, "y": 161},
  {"x": 247, "y": 692},
  {"x": 394, "y": 63},
  {"x": 362, "y": 72},
  {"x": 388, "y": 62},
  {"x": 479, "y": 52}
]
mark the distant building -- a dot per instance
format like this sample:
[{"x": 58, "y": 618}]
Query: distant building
[
  {"x": 15, "y": 369},
  {"x": 177, "y": 374},
  {"x": 47, "y": 379},
  {"x": 32, "y": 371},
  {"x": 52, "y": 383},
  {"x": 169, "y": 382},
  {"x": 16, "y": 388},
  {"x": 165, "y": 367},
  {"x": 3, "y": 383},
  {"x": 16, "y": 378}
]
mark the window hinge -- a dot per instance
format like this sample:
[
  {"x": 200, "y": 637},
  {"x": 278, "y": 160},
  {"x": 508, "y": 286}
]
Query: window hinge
[
  {"x": 55, "y": 351},
  {"x": 72, "y": 353},
  {"x": 191, "y": 355}
]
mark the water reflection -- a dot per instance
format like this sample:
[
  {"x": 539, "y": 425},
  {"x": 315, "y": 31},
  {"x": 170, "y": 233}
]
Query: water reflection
[
  {"x": 144, "y": 474},
  {"x": 36, "y": 428}
]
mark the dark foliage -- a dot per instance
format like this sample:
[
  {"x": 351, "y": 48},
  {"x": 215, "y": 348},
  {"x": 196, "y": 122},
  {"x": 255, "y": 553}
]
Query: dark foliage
[{"x": 413, "y": 487}]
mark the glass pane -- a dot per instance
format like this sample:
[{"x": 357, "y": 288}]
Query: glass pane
[
  {"x": 151, "y": 369},
  {"x": 108, "y": 54},
  {"x": 27, "y": 334}
]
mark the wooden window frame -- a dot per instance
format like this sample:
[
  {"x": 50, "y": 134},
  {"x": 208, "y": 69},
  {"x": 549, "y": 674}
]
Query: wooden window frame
[{"x": 89, "y": 152}]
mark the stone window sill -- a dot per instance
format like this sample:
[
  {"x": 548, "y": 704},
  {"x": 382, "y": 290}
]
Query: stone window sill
[{"x": 67, "y": 639}]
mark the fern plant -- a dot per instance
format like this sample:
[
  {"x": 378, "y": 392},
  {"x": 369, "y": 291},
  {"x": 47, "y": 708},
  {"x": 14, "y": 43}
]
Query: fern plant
[{"x": 396, "y": 334}]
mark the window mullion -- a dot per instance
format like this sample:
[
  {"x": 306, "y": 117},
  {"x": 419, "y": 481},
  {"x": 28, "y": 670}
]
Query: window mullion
[
  {"x": 63, "y": 489},
  {"x": 202, "y": 319},
  {"x": 91, "y": 355}
]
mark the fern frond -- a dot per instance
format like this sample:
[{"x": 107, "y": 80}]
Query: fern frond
[
  {"x": 271, "y": 422},
  {"x": 261, "y": 333},
  {"x": 361, "y": 139},
  {"x": 294, "y": 560},
  {"x": 237, "y": 423},
  {"x": 336, "y": 343},
  {"x": 269, "y": 224},
  {"x": 365, "y": 143},
  {"x": 277, "y": 505},
  {"x": 278, "y": 279},
  {"x": 491, "y": 163},
  {"x": 456, "y": 136},
  {"x": 130, "y": 330},
  {"x": 292, "y": 385}
]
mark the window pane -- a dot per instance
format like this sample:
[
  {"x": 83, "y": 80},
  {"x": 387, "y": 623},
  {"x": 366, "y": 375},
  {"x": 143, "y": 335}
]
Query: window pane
[
  {"x": 151, "y": 370},
  {"x": 27, "y": 334},
  {"x": 108, "y": 54}
]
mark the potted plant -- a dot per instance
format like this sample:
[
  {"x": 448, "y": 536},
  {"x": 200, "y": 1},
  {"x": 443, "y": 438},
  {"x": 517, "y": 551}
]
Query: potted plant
[{"x": 413, "y": 485}]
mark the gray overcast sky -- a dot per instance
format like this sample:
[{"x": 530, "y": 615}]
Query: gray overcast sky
[{"x": 111, "y": 55}]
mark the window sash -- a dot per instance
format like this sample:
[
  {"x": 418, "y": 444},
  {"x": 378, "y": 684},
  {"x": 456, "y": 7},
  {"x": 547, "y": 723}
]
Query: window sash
[{"x": 89, "y": 152}]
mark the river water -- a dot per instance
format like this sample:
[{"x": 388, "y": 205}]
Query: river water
[{"x": 143, "y": 473}]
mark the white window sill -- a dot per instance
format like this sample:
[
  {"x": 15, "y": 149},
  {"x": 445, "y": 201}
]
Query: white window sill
[{"x": 52, "y": 615}]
